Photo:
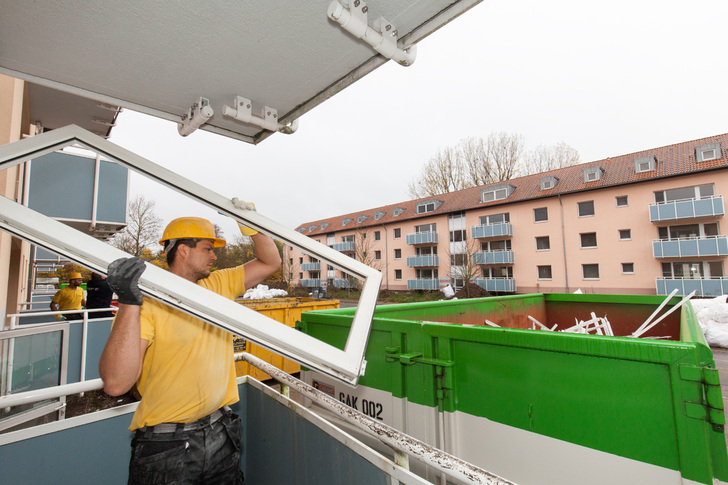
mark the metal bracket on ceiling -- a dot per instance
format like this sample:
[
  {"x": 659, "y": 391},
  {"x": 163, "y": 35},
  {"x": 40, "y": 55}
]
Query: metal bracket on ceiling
[
  {"x": 242, "y": 110},
  {"x": 196, "y": 116},
  {"x": 382, "y": 38}
]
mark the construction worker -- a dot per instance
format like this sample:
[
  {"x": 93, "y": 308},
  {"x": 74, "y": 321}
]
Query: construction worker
[
  {"x": 71, "y": 297},
  {"x": 182, "y": 366}
]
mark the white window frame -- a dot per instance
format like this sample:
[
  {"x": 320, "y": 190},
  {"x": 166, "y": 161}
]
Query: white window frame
[
  {"x": 624, "y": 238},
  {"x": 627, "y": 272},
  {"x": 583, "y": 267},
  {"x": 538, "y": 272},
  {"x": 346, "y": 365},
  {"x": 616, "y": 201}
]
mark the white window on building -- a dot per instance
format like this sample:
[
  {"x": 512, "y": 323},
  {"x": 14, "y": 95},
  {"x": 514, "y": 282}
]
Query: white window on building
[
  {"x": 548, "y": 183},
  {"x": 645, "y": 164},
  {"x": 346, "y": 220},
  {"x": 397, "y": 211},
  {"x": 708, "y": 152},
  {"x": 622, "y": 201},
  {"x": 397, "y": 274},
  {"x": 361, "y": 218},
  {"x": 592, "y": 174},
  {"x": 543, "y": 243},
  {"x": 498, "y": 192},
  {"x": 586, "y": 208},
  {"x": 588, "y": 240},
  {"x": 427, "y": 206},
  {"x": 627, "y": 268},
  {"x": 544, "y": 272},
  {"x": 378, "y": 215},
  {"x": 625, "y": 234},
  {"x": 685, "y": 193},
  {"x": 590, "y": 271},
  {"x": 495, "y": 219},
  {"x": 397, "y": 254},
  {"x": 397, "y": 233},
  {"x": 541, "y": 214},
  {"x": 426, "y": 228}
]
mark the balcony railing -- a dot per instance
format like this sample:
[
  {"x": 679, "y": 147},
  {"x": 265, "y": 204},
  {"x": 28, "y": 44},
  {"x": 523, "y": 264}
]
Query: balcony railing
[
  {"x": 492, "y": 230},
  {"x": 423, "y": 261},
  {"x": 687, "y": 209},
  {"x": 345, "y": 247},
  {"x": 344, "y": 283},
  {"x": 422, "y": 238},
  {"x": 690, "y": 247},
  {"x": 497, "y": 284},
  {"x": 311, "y": 267},
  {"x": 701, "y": 286},
  {"x": 311, "y": 283},
  {"x": 493, "y": 257},
  {"x": 424, "y": 284}
]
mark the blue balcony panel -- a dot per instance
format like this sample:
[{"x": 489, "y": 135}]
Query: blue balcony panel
[
  {"x": 423, "y": 261},
  {"x": 345, "y": 247},
  {"x": 424, "y": 284},
  {"x": 311, "y": 283},
  {"x": 311, "y": 267},
  {"x": 690, "y": 248},
  {"x": 492, "y": 230},
  {"x": 422, "y": 238},
  {"x": 494, "y": 257},
  {"x": 507, "y": 285},
  {"x": 687, "y": 209},
  {"x": 702, "y": 286}
]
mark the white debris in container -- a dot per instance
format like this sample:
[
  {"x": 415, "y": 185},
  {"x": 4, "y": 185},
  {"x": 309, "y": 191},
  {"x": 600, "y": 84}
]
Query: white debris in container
[
  {"x": 262, "y": 292},
  {"x": 712, "y": 316}
]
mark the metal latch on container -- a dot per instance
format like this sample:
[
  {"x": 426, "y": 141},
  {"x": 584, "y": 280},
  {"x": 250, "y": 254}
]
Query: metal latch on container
[
  {"x": 393, "y": 355},
  {"x": 712, "y": 409}
]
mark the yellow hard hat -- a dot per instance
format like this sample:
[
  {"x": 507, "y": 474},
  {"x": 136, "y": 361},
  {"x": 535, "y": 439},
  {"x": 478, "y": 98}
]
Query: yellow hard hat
[
  {"x": 75, "y": 276},
  {"x": 191, "y": 227}
]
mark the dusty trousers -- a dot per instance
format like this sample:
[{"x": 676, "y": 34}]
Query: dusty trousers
[{"x": 206, "y": 451}]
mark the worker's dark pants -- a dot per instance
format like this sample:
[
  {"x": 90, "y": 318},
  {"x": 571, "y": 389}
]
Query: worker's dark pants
[{"x": 195, "y": 453}]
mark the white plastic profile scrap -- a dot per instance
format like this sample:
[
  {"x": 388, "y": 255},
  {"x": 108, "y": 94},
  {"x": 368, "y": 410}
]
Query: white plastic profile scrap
[
  {"x": 646, "y": 328},
  {"x": 654, "y": 314}
]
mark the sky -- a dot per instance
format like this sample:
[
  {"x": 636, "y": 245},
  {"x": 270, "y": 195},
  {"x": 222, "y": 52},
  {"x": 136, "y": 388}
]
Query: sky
[{"x": 606, "y": 78}]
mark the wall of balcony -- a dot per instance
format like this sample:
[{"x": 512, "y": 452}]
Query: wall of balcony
[
  {"x": 493, "y": 257},
  {"x": 310, "y": 283},
  {"x": 492, "y": 230},
  {"x": 423, "y": 261},
  {"x": 311, "y": 267},
  {"x": 694, "y": 247},
  {"x": 422, "y": 238},
  {"x": 345, "y": 246},
  {"x": 428, "y": 284},
  {"x": 507, "y": 285},
  {"x": 701, "y": 286},
  {"x": 687, "y": 209}
]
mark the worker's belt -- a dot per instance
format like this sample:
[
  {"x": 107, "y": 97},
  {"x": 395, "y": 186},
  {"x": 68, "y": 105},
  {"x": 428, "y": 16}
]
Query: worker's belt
[{"x": 180, "y": 427}]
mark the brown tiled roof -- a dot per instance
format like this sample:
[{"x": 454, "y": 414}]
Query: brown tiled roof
[{"x": 672, "y": 160}]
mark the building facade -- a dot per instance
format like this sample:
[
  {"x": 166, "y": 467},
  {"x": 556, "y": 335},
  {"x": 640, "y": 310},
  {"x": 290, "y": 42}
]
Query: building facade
[{"x": 643, "y": 223}]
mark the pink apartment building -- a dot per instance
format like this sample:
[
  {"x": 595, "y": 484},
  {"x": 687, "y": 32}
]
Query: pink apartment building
[{"x": 643, "y": 223}]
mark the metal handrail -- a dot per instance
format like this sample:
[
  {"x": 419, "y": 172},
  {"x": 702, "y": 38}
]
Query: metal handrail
[
  {"x": 397, "y": 440},
  {"x": 448, "y": 464}
]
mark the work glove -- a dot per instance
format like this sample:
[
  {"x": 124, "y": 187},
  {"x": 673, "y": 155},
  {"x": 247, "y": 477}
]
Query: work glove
[
  {"x": 248, "y": 206},
  {"x": 123, "y": 277}
]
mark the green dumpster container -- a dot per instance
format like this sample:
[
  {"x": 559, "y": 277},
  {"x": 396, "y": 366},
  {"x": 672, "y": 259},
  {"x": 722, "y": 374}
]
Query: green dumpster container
[{"x": 543, "y": 407}]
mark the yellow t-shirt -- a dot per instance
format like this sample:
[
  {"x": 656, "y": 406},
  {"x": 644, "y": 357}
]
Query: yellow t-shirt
[
  {"x": 69, "y": 298},
  {"x": 189, "y": 369}
]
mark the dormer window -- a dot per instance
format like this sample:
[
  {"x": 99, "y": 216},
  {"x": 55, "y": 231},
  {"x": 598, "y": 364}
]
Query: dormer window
[
  {"x": 708, "y": 152},
  {"x": 397, "y": 211},
  {"x": 548, "y": 183},
  {"x": 361, "y": 218},
  {"x": 378, "y": 215},
  {"x": 592, "y": 174},
  {"x": 498, "y": 192},
  {"x": 645, "y": 164},
  {"x": 301, "y": 229},
  {"x": 345, "y": 221},
  {"x": 325, "y": 225},
  {"x": 312, "y": 227},
  {"x": 427, "y": 206}
]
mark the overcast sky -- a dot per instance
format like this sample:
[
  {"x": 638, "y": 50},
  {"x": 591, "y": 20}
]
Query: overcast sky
[{"x": 607, "y": 78}]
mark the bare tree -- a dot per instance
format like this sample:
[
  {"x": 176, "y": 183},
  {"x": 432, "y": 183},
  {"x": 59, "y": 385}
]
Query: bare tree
[
  {"x": 545, "y": 158},
  {"x": 503, "y": 152},
  {"x": 142, "y": 230},
  {"x": 289, "y": 266},
  {"x": 443, "y": 173},
  {"x": 462, "y": 263}
]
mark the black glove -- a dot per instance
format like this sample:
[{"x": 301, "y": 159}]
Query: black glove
[{"x": 123, "y": 277}]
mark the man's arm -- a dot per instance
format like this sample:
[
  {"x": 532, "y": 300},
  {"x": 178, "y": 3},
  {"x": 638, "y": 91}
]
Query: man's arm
[
  {"x": 121, "y": 361},
  {"x": 266, "y": 262},
  {"x": 54, "y": 306}
]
